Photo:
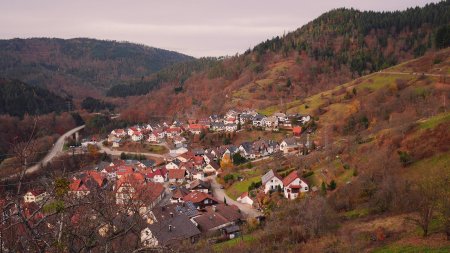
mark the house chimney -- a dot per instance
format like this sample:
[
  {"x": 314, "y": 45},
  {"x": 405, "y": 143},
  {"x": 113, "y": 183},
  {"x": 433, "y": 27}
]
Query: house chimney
[
  {"x": 214, "y": 208},
  {"x": 170, "y": 228},
  {"x": 171, "y": 214}
]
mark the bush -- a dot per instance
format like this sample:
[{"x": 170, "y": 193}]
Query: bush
[
  {"x": 405, "y": 158},
  {"x": 228, "y": 177}
]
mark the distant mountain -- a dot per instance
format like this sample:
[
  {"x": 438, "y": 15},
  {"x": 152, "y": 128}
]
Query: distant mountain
[
  {"x": 18, "y": 98},
  {"x": 335, "y": 48},
  {"x": 81, "y": 67}
]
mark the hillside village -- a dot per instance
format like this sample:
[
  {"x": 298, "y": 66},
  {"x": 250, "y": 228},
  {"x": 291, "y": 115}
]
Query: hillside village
[{"x": 179, "y": 198}]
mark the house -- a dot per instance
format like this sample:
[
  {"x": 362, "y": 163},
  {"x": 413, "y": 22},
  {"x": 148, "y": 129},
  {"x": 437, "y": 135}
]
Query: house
[
  {"x": 200, "y": 185},
  {"x": 157, "y": 176},
  {"x": 200, "y": 199},
  {"x": 133, "y": 130},
  {"x": 123, "y": 170},
  {"x": 175, "y": 164},
  {"x": 244, "y": 118},
  {"x": 137, "y": 136},
  {"x": 153, "y": 137},
  {"x": 173, "y": 131},
  {"x": 36, "y": 195},
  {"x": 258, "y": 120},
  {"x": 116, "y": 143},
  {"x": 195, "y": 128},
  {"x": 281, "y": 117},
  {"x": 293, "y": 185},
  {"x": 119, "y": 133},
  {"x": 217, "y": 126},
  {"x": 161, "y": 213},
  {"x": 231, "y": 127},
  {"x": 297, "y": 130},
  {"x": 179, "y": 141},
  {"x": 245, "y": 199},
  {"x": 288, "y": 145},
  {"x": 211, "y": 168},
  {"x": 186, "y": 156},
  {"x": 170, "y": 232},
  {"x": 271, "y": 181},
  {"x": 271, "y": 122},
  {"x": 176, "y": 175},
  {"x": 214, "y": 118},
  {"x": 178, "y": 194},
  {"x": 134, "y": 189},
  {"x": 230, "y": 120},
  {"x": 218, "y": 217}
]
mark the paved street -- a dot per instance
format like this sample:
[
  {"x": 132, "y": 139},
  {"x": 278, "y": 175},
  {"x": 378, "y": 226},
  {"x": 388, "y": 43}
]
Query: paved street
[{"x": 219, "y": 194}]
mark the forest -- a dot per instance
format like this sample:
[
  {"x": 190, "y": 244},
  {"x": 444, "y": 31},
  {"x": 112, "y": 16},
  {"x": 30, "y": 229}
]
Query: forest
[
  {"x": 335, "y": 48},
  {"x": 81, "y": 67},
  {"x": 18, "y": 98}
]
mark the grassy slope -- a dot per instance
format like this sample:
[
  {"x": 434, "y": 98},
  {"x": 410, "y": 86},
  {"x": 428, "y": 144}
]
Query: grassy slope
[{"x": 337, "y": 109}]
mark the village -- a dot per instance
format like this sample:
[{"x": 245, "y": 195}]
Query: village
[{"x": 180, "y": 194}]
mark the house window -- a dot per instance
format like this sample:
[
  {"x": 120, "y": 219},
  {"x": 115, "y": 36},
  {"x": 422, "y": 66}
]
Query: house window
[{"x": 306, "y": 188}]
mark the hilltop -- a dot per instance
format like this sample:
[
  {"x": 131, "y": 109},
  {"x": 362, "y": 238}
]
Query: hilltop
[
  {"x": 335, "y": 48},
  {"x": 81, "y": 67}
]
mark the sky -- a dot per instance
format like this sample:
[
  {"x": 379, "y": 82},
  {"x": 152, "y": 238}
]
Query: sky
[{"x": 194, "y": 27}]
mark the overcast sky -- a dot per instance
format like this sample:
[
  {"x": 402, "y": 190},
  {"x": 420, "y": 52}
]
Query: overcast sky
[{"x": 196, "y": 27}]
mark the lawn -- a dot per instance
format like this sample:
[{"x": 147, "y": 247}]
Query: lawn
[
  {"x": 411, "y": 249},
  {"x": 222, "y": 247},
  {"x": 143, "y": 148},
  {"x": 425, "y": 166},
  {"x": 237, "y": 188},
  {"x": 434, "y": 121}
]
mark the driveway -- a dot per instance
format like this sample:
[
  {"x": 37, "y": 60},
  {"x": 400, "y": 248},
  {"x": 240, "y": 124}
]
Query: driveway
[{"x": 219, "y": 194}]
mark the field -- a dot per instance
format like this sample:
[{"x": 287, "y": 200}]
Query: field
[{"x": 143, "y": 148}]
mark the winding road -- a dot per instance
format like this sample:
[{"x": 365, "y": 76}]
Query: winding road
[
  {"x": 56, "y": 150},
  {"x": 220, "y": 194}
]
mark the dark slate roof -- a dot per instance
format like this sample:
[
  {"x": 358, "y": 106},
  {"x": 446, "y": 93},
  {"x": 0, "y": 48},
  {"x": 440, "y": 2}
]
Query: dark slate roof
[
  {"x": 164, "y": 212},
  {"x": 181, "y": 228},
  {"x": 148, "y": 163},
  {"x": 269, "y": 175}
]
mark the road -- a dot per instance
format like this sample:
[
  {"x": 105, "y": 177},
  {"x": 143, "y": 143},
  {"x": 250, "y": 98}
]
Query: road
[
  {"x": 219, "y": 194},
  {"x": 55, "y": 151},
  {"x": 409, "y": 74}
]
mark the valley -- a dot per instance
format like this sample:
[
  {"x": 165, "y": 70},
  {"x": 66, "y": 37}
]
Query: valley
[{"x": 334, "y": 137}]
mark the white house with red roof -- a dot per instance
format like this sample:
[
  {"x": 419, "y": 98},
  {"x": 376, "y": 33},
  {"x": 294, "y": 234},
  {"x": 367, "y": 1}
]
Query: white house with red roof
[
  {"x": 119, "y": 133},
  {"x": 137, "y": 136},
  {"x": 157, "y": 176},
  {"x": 293, "y": 185},
  {"x": 153, "y": 137},
  {"x": 195, "y": 128},
  {"x": 245, "y": 199},
  {"x": 133, "y": 130},
  {"x": 271, "y": 181}
]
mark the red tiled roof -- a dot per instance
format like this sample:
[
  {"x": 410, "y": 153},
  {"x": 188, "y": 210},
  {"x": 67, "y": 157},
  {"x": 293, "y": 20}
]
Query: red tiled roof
[
  {"x": 198, "y": 160},
  {"x": 124, "y": 170},
  {"x": 289, "y": 178},
  {"x": 196, "y": 197},
  {"x": 297, "y": 129},
  {"x": 196, "y": 127},
  {"x": 177, "y": 173}
]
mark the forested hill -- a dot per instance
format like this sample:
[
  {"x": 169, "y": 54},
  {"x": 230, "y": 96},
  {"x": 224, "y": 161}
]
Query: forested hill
[
  {"x": 18, "y": 98},
  {"x": 335, "y": 48},
  {"x": 80, "y": 67}
]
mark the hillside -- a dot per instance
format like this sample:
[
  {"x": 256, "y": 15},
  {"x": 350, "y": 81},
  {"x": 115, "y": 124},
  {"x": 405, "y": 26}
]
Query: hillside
[
  {"x": 80, "y": 67},
  {"x": 335, "y": 48},
  {"x": 384, "y": 140},
  {"x": 18, "y": 98}
]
